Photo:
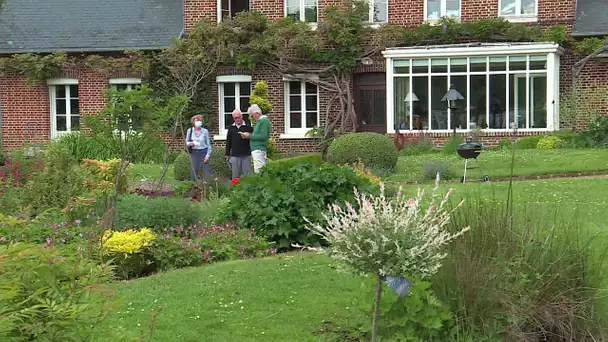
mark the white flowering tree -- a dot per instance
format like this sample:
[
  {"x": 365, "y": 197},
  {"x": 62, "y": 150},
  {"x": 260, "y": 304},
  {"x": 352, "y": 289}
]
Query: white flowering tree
[{"x": 388, "y": 238}]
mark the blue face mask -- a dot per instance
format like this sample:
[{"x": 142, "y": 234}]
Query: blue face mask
[{"x": 198, "y": 124}]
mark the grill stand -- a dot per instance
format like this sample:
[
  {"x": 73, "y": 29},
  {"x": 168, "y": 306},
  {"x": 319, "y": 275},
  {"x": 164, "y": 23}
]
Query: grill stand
[{"x": 463, "y": 180}]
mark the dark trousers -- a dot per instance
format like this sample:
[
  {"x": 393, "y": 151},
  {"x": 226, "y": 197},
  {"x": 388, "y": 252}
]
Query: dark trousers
[{"x": 197, "y": 160}]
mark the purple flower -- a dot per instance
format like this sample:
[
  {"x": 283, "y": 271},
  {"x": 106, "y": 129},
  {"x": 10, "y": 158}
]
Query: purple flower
[{"x": 77, "y": 222}]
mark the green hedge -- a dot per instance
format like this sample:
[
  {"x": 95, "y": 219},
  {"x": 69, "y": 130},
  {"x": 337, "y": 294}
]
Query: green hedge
[
  {"x": 307, "y": 158},
  {"x": 159, "y": 213},
  {"x": 373, "y": 149}
]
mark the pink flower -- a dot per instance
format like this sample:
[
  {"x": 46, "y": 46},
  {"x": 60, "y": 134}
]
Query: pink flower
[{"x": 411, "y": 202}]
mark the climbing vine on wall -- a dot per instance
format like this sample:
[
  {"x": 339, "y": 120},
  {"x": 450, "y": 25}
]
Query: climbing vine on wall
[
  {"x": 589, "y": 45},
  {"x": 37, "y": 68}
]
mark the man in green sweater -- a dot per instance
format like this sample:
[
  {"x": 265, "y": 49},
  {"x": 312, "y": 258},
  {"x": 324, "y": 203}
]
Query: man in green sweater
[{"x": 258, "y": 138}]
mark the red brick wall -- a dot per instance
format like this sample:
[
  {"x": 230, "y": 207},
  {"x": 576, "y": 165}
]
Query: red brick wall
[
  {"x": 25, "y": 112},
  {"x": 195, "y": 10},
  {"x": 26, "y": 115}
]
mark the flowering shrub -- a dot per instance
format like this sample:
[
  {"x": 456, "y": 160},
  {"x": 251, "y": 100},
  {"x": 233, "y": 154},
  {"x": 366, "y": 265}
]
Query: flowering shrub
[
  {"x": 197, "y": 244},
  {"x": 363, "y": 172},
  {"x": 388, "y": 237},
  {"x": 129, "y": 251},
  {"x": 50, "y": 227},
  {"x": 106, "y": 172}
]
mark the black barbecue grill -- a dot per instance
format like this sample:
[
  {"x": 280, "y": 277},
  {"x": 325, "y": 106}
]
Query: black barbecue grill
[{"x": 471, "y": 150}]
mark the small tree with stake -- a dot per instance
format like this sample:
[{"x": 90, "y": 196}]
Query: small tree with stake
[
  {"x": 388, "y": 238},
  {"x": 129, "y": 121}
]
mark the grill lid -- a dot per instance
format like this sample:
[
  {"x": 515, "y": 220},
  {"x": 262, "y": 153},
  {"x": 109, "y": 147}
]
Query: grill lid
[{"x": 467, "y": 146}]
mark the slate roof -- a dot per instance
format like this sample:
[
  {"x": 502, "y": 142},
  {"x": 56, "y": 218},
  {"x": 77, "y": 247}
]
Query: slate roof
[
  {"x": 88, "y": 25},
  {"x": 591, "y": 18}
]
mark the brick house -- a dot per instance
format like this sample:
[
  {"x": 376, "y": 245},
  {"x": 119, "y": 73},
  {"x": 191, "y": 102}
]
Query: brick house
[
  {"x": 509, "y": 88},
  {"x": 37, "y": 113}
]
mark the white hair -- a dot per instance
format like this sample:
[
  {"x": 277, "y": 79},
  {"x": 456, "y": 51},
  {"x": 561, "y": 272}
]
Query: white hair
[
  {"x": 236, "y": 111},
  {"x": 254, "y": 109}
]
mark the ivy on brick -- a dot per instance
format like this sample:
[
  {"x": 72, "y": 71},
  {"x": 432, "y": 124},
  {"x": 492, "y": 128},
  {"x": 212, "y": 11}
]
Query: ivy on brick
[
  {"x": 38, "y": 68},
  {"x": 589, "y": 45}
]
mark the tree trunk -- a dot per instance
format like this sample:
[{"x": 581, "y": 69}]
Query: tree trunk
[{"x": 377, "y": 307}]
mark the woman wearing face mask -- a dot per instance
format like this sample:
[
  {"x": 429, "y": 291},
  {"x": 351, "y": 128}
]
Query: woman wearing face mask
[{"x": 199, "y": 147}]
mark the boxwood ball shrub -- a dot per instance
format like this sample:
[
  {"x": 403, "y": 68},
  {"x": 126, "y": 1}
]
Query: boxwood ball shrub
[
  {"x": 275, "y": 202},
  {"x": 375, "y": 150},
  {"x": 217, "y": 162}
]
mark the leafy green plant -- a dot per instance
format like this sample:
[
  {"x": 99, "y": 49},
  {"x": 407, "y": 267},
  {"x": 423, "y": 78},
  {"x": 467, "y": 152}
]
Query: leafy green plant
[
  {"x": 596, "y": 134},
  {"x": 430, "y": 170},
  {"x": 306, "y": 158},
  {"x": 416, "y": 148},
  {"x": 172, "y": 252},
  {"x": 418, "y": 316},
  {"x": 181, "y": 167},
  {"x": 373, "y": 149},
  {"x": 159, "y": 213},
  {"x": 83, "y": 146},
  {"x": 212, "y": 211},
  {"x": 42, "y": 190},
  {"x": 225, "y": 242},
  {"x": 276, "y": 201},
  {"x": 47, "y": 296},
  {"x": 452, "y": 144},
  {"x": 527, "y": 142},
  {"x": 549, "y": 142}
]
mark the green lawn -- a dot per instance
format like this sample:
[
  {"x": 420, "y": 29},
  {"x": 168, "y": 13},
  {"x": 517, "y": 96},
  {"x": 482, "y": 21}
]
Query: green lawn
[
  {"x": 139, "y": 172},
  {"x": 287, "y": 298},
  {"x": 497, "y": 163}
]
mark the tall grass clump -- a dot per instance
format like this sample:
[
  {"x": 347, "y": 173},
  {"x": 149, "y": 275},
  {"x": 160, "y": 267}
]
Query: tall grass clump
[{"x": 523, "y": 273}]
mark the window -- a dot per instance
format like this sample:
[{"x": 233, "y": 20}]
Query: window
[
  {"x": 378, "y": 12},
  {"x": 504, "y": 90},
  {"x": 122, "y": 84},
  {"x": 301, "y": 106},
  {"x": 234, "y": 93},
  {"x": 304, "y": 10},
  {"x": 229, "y": 8},
  {"x": 436, "y": 9},
  {"x": 518, "y": 9},
  {"x": 65, "y": 113}
]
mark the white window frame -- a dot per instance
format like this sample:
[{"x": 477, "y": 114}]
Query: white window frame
[
  {"x": 53, "y": 83},
  {"x": 442, "y": 11},
  {"x": 519, "y": 17},
  {"x": 371, "y": 21},
  {"x": 552, "y": 51},
  {"x": 302, "y": 12},
  {"x": 298, "y": 133},
  {"x": 130, "y": 83},
  {"x": 221, "y": 80},
  {"x": 219, "y": 9}
]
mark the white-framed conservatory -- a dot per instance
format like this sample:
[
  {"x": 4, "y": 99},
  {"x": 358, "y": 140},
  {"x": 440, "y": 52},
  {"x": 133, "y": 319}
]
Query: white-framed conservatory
[{"x": 506, "y": 87}]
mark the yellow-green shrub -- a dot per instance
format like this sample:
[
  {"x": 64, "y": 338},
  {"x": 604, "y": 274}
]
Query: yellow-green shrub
[
  {"x": 129, "y": 251},
  {"x": 106, "y": 172},
  {"x": 549, "y": 142}
]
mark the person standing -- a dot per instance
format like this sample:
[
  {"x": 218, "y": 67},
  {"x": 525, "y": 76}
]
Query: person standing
[
  {"x": 199, "y": 147},
  {"x": 238, "y": 150},
  {"x": 258, "y": 138}
]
